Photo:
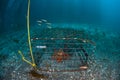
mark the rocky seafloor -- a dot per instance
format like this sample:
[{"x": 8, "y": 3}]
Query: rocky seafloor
[{"x": 104, "y": 60}]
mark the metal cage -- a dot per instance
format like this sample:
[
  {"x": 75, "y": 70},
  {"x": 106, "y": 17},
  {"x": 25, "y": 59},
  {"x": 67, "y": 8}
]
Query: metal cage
[{"x": 73, "y": 45}]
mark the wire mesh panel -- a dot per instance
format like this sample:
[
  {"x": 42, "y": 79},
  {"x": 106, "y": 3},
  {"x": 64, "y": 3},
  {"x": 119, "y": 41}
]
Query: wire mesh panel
[{"x": 62, "y": 49}]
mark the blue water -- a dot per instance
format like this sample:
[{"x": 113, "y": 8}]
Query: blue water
[
  {"x": 13, "y": 13},
  {"x": 98, "y": 20}
]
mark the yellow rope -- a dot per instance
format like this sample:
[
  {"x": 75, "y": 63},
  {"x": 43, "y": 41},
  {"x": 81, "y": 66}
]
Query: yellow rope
[
  {"x": 29, "y": 42},
  {"x": 23, "y": 58},
  {"x": 28, "y": 29}
]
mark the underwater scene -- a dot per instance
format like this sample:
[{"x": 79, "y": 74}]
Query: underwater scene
[{"x": 59, "y": 40}]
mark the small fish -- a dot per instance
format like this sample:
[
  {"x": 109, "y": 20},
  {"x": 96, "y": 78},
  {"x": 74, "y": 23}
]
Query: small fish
[
  {"x": 83, "y": 67},
  {"x": 41, "y": 47},
  {"x": 49, "y": 27},
  {"x": 39, "y": 24},
  {"x": 39, "y": 21},
  {"x": 44, "y": 20},
  {"x": 48, "y": 23}
]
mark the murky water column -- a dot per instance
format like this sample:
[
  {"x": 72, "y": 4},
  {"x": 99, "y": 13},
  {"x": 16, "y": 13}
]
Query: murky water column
[{"x": 14, "y": 15}]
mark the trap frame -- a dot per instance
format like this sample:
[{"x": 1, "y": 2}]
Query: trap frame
[{"x": 71, "y": 43}]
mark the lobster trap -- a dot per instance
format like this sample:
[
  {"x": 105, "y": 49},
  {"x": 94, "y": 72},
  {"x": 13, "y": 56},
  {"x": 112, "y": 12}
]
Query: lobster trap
[{"x": 61, "y": 49}]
